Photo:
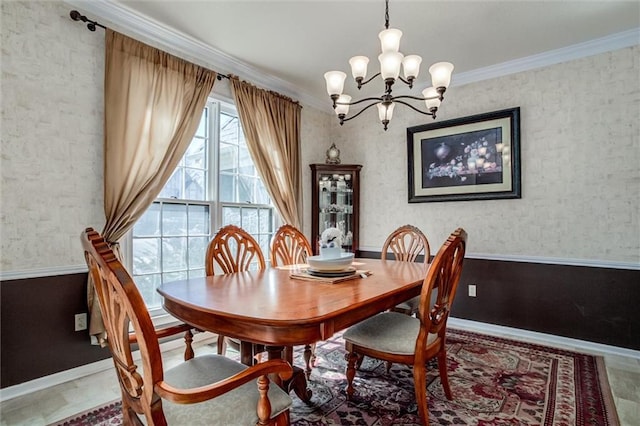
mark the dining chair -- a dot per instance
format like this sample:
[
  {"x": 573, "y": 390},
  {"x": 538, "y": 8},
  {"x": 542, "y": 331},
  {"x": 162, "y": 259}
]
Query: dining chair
[
  {"x": 207, "y": 389},
  {"x": 289, "y": 246},
  {"x": 399, "y": 338},
  {"x": 406, "y": 243},
  {"x": 232, "y": 249}
]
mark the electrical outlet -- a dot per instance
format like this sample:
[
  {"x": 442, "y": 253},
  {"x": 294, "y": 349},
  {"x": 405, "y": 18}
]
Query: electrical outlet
[
  {"x": 81, "y": 321},
  {"x": 472, "y": 290}
]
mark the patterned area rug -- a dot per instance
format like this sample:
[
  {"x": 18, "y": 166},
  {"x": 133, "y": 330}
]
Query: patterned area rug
[{"x": 494, "y": 382}]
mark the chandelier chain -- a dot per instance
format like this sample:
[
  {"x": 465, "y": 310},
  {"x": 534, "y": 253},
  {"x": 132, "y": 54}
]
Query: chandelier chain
[{"x": 386, "y": 14}]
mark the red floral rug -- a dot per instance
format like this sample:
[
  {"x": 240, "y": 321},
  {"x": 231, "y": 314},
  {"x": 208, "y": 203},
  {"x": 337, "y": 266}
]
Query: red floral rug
[{"x": 494, "y": 382}]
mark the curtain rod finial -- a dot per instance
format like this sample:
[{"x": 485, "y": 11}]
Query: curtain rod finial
[{"x": 91, "y": 25}]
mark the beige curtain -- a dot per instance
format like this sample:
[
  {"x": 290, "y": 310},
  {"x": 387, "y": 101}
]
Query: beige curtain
[
  {"x": 271, "y": 124},
  {"x": 153, "y": 105}
]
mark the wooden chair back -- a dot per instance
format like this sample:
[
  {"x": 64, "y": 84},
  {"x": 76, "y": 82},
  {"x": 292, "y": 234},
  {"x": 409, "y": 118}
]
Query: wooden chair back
[
  {"x": 233, "y": 249},
  {"x": 289, "y": 246},
  {"x": 443, "y": 277},
  {"x": 406, "y": 243},
  {"x": 123, "y": 307}
]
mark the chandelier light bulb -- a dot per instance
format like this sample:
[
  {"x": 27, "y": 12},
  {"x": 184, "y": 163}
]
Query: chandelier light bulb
[
  {"x": 390, "y": 40},
  {"x": 359, "y": 66},
  {"x": 343, "y": 109},
  {"x": 411, "y": 66},
  {"x": 390, "y": 64},
  {"x": 335, "y": 82},
  {"x": 441, "y": 74},
  {"x": 432, "y": 98}
]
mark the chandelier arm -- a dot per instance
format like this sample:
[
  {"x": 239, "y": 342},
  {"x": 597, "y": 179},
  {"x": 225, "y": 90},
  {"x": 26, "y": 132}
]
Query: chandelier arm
[
  {"x": 362, "y": 110},
  {"x": 417, "y": 98},
  {"x": 407, "y": 82},
  {"x": 431, "y": 113},
  {"x": 360, "y": 101},
  {"x": 362, "y": 83}
]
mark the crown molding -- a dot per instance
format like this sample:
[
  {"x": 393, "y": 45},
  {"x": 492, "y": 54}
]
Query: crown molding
[
  {"x": 124, "y": 20},
  {"x": 131, "y": 23},
  {"x": 593, "y": 47}
]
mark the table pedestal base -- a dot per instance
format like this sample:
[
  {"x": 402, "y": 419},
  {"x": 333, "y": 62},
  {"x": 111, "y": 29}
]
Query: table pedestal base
[
  {"x": 298, "y": 381},
  {"x": 298, "y": 384}
]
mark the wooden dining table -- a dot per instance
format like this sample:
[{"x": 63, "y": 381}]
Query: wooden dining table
[{"x": 271, "y": 308}]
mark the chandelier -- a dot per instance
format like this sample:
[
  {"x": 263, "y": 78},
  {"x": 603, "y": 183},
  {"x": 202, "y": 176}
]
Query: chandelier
[{"x": 390, "y": 61}]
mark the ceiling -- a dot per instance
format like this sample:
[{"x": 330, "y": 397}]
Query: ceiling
[{"x": 298, "y": 41}]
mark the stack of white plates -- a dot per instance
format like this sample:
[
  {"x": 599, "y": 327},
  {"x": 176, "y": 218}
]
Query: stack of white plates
[{"x": 331, "y": 266}]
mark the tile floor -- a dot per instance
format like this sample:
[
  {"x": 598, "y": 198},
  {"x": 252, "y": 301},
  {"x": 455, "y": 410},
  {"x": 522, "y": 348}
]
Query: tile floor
[{"x": 48, "y": 406}]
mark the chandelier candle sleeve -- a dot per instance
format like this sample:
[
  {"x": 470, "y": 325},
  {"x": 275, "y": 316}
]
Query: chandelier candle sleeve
[
  {"x": 390, "y": 63},
  {"x": 390, "y": 39},
  {"x": 441, "y": 74},
  {"x": 432, "y": 98},
  {"x": 335, "y": 82},
  {"x": 411, "y": 67},
  {"x": 391, "y": 60},
  {"x": 359, "y": 66},
  {"x": 342, "y": 105}
]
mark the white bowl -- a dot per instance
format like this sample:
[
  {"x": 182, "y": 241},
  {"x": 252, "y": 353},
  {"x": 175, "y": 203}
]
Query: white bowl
[{"x": 323, "y": 263}]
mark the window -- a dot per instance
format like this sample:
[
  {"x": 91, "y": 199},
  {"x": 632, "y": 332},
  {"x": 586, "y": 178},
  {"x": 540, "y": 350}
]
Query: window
[{"x": 215, "y": 184}]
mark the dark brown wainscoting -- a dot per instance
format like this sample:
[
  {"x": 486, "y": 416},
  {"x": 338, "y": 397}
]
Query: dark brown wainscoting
[
  {"x": 594, "y": 304},
  {"x": 37, "y": 328},
  {"x": 600, "y": 305}
]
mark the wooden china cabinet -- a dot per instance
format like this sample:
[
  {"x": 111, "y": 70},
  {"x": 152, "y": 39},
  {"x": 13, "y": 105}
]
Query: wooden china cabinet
[{"x": 335, "y": 202}]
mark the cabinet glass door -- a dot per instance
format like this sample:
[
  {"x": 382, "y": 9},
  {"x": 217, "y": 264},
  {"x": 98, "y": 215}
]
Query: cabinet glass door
[{"x": 335, "y": 203}]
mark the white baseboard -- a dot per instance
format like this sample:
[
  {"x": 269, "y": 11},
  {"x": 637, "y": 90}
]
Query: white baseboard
[
  {"x": 88, "y": 369},
  {"x": 541, "y": 338}
]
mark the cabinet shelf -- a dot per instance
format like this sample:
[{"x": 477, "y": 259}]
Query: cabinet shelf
[{"x": 335, "y": 187}]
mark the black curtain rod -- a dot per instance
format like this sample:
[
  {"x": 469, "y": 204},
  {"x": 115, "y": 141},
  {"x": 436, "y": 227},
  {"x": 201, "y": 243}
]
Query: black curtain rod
[{"x": 91, "y": 26}]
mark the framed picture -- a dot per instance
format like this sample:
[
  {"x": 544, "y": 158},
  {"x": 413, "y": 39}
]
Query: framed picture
[{"x": 469, "y": 158}]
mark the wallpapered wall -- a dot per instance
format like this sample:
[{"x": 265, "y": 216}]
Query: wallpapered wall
[
  {"x": 580, "y": 165},
  {"x": 580, "y": 153},
  {"x": 52, "y": 113},
  {"x": 52, "y": 84}
]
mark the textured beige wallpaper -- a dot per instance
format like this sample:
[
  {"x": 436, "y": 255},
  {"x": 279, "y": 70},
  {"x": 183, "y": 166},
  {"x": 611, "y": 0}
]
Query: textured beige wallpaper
[
  {"x": 315, "y": 138},
  {"x": 51, "y": 152},
  {"x": 580, "y": 153},
  {"x": 580, "y": 124},
  {"x": 51, "y": 165}
]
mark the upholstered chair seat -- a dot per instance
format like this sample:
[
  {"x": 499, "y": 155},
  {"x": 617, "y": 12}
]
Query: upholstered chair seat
[
  {"x": 389, "y": 332},
  {"x": 236, "y": 407}
]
